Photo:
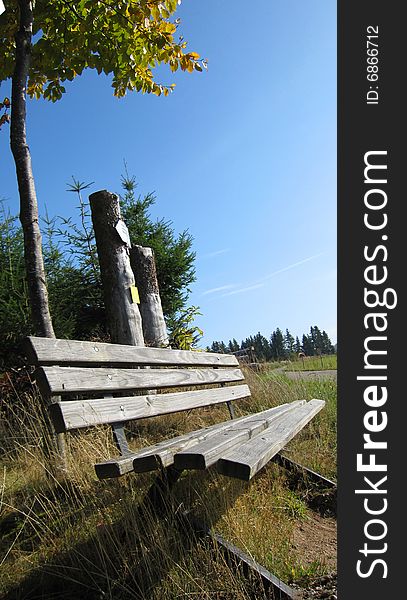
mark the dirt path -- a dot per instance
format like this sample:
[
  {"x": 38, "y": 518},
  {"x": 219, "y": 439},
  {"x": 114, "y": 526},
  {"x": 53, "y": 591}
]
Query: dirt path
[{"x": 315, "y": 539}]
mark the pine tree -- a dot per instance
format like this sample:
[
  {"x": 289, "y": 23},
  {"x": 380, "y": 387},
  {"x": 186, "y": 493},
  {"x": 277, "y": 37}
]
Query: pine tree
[
  {"x": 223, "y": 348},
  {"x": 233, "y": 345},
  {"x": 261, "y": 347},
  {"x": 307, "y": 346},
  {"x": 327, "y": 346},
  {"x": 297, "y": 345},
  {"x": 289, "y": 343},
  {"x": 317, "y": 341},
  {"x": 215, "y": 347},
  {"x": 247, "y": 343},
  {"x": 277, "y": 350},
  {"x": 219, "y": 347}
]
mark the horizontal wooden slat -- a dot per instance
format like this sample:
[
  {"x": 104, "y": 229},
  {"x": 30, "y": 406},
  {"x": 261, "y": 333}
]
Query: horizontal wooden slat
[
  {"x": 247, "y": 459},
  {"x": 68, "y": 380},
  {"x": 75, "y": 414},
  {"x": 162, "y": 454},
  {"x": 43, "y": 351},
  {"x": 207, "y": 452}
]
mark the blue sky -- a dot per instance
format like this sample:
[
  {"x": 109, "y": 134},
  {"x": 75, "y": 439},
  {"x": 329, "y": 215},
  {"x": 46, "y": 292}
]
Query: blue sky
[{"x": 243, "y": 156}]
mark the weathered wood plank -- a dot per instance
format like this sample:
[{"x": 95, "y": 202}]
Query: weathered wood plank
[
  {"x": 207, "y": 452},
  {"x": 75, "y": 414},
  {"x": 247, "y": 459},
  {"x": 123, "y": 317},
  {"x": 162, "y": 454},
  {"x": 67, "y": 380},
  {"x": 42, "y": 351}
]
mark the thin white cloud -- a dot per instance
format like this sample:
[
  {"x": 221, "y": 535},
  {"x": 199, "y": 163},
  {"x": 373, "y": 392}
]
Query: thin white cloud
[
  {"x": 245, "y": 289},
  {"x": 292, "y": 266},
  {"x": 222, "y": 288},
  {"x": 257, "y": 284},
  {"x": 261, "y": 282},
  {"x": 216, "y": 253}
]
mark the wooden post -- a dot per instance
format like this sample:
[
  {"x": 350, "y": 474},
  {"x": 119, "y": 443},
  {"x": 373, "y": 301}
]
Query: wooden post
[
  {"x": 113, "y": 246},
  {"x": 54, "y": 447},
  {"x": 154, "y": 328}
]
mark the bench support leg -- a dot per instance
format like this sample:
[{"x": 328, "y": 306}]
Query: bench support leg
[
  {"x": 120, "y": 438},
  {"x": 231, "y": 410},
  {"x": 54, "y": 448}
]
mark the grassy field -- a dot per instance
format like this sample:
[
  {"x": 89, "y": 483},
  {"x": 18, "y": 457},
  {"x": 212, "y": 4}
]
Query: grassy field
[
  {"x": 83, "y": 538},
  {"x": 313, "y": 363}
]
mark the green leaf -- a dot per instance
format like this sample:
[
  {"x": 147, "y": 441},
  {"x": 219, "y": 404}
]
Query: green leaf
[{"x": 120, "y": 39}]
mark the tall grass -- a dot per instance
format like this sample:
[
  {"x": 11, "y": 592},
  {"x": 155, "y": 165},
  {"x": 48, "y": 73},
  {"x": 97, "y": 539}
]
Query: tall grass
[
  {"x": 78, "y": 537},
  {"x": 313, "y": 363}
]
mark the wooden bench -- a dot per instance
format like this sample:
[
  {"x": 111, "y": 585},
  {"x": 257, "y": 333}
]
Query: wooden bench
[{"x": 87, "y": 384}]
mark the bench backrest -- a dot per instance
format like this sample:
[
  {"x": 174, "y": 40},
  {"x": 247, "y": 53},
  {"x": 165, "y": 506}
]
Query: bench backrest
[{"x": 94, "y": 383}]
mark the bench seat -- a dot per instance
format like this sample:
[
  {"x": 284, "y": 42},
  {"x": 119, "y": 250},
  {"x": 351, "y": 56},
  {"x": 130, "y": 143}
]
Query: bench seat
[{"x": 86, "y": 384}]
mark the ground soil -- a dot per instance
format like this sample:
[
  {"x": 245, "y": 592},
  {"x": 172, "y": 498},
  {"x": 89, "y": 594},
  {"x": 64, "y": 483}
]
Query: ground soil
[{"x": 315, "y": 540}]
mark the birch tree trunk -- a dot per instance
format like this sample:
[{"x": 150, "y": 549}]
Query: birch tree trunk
[
  {"x": 34, "y": 264},
  {"x": 33, "y": 258},
  {"x": 154, "y": 327}
]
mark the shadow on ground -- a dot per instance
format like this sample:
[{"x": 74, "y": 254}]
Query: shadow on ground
[{"x": 131, "y": 557}]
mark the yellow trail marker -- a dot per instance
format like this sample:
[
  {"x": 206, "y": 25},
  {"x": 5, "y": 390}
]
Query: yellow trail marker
[{"x": 134, "y": 294}]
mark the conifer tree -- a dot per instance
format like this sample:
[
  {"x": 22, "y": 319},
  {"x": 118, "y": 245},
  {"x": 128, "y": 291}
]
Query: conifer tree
[
  {"x": 288, "y": 343},
  {"x": 257, "y": 346},
  {"x": 219, "y": 347},
  {"x": 327, "y": 346},
  {"x": 307, "y": 346},
  {"x": 297, "y": 345},
  {"x": 282, "y": 346},
  {"x": 233, "y": 345},
  {"x": 277, "y": 349}
]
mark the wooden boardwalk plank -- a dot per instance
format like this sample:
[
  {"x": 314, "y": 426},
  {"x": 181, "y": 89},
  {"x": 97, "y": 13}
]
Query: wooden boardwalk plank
[
  {"x": 42, "y": 351},
  {"x": 75, "y": 414},
  {"x": 207, "y": 452},
  {"x": 247, "y": 459},
  {"x": 67, "y": 380}
]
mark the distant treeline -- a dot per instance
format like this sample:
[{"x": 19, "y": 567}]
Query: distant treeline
[{"x": 280, "y": 346}]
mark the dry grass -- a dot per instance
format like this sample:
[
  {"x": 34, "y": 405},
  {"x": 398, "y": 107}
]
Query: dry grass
[
  {"x": 83, "y": 538},
  {"x": 313, "y": 363}
]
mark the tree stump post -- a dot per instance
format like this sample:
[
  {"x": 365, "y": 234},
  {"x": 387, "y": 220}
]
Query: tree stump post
[
  {"x": 113, "y": 246},
  {"x": 154, "y": 328}
]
